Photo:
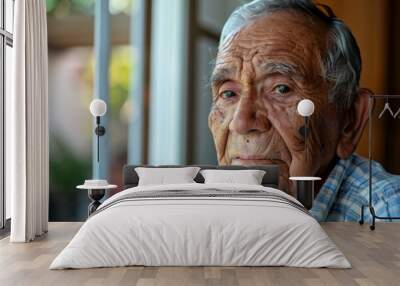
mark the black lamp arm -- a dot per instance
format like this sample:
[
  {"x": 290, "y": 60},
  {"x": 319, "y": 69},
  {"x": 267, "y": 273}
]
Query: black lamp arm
[
  {"x": 306, "y": 121},
  {"x": 99, "y": 131}
]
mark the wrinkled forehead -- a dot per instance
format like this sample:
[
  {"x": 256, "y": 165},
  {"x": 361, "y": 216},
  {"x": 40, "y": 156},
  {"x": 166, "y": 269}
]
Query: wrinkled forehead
[{"x": 281, "y": 35}]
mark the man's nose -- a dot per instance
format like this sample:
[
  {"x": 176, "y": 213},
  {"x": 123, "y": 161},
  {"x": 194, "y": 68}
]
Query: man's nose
[{"x": 249, "y": 117}]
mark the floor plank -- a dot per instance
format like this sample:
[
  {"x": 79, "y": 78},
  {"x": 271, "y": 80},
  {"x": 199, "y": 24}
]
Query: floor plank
[{"x": 374, "y": 255}]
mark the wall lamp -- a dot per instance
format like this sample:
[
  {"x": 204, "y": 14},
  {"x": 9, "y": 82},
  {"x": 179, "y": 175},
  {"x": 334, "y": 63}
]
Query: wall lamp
[
  {"x": 306, "y": 108},
  {"x": 98, "y": 108}
]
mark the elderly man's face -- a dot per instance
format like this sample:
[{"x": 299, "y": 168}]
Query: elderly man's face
[{"x": 260, "y": 76}]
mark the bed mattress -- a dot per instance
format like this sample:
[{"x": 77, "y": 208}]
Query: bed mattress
[{"x": 201, "y": 225}]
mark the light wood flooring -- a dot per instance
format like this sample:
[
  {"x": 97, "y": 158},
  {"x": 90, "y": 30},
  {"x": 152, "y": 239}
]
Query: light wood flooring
[{"x": 374, "y": 255}]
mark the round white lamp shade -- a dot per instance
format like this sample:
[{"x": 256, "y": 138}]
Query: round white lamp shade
[
  {"x": 98, "y": 107},
  {"x": 305, "y": 107}
]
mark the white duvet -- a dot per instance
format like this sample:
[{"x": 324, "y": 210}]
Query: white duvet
[{"x": 200, "y": 231}]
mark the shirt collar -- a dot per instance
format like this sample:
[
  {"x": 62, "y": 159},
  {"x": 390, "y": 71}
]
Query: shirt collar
[{"x": 329, "y": 190}]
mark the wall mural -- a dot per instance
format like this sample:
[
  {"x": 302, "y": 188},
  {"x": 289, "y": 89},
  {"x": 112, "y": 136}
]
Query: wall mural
[
  {"x": 245, "y": 80},
  {"x": 264, "y": 67}
]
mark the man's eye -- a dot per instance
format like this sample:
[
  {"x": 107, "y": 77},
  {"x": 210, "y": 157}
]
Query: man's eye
[
  {"x": 227, "y": 94},
  {"x": 281, "y": 89}
]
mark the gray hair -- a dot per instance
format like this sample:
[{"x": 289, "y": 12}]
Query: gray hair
[{"x": 342, "y": 62}]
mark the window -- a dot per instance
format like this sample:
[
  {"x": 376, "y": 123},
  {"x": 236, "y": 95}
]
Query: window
[
  {"x": 6, "y": 43},
  {"x": 72, "y": 72}
]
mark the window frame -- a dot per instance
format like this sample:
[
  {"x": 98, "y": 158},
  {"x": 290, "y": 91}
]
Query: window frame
[{"x": 6, "y": 39}]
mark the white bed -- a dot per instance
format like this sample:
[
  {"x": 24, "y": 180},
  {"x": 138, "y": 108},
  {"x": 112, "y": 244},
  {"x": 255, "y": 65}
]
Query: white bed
[{"x": 185, "y": 230}]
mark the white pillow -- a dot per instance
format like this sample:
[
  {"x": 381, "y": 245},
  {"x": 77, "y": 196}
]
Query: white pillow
[
  {"x": 248, "y": 177},
  {"x": 163, "y": 176}
]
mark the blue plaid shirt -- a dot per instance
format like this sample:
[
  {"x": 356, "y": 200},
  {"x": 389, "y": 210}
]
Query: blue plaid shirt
[{"x": 346, "y": 189}]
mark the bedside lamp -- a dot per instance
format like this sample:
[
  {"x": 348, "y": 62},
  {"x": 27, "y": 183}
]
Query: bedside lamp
[
  {"x": 306, "y": 108},
  {"x": 98, "y": 108}
]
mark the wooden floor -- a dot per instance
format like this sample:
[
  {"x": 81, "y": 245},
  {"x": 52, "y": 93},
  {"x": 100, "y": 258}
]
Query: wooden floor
[{"x": 375, "y": 257}]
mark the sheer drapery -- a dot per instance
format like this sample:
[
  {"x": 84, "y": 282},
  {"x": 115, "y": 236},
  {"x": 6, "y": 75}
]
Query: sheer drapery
[{"x": 27, "y": 124}]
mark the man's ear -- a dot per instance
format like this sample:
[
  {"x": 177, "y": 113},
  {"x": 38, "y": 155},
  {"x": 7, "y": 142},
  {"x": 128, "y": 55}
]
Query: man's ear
[{"x": 353, "y": 126}]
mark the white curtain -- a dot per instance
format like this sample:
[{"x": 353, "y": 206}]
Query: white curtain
[{"x": 27, "y": 124}]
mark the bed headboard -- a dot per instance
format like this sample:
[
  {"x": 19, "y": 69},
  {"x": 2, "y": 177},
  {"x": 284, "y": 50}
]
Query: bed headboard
[{"x": 271, "y": 177}]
